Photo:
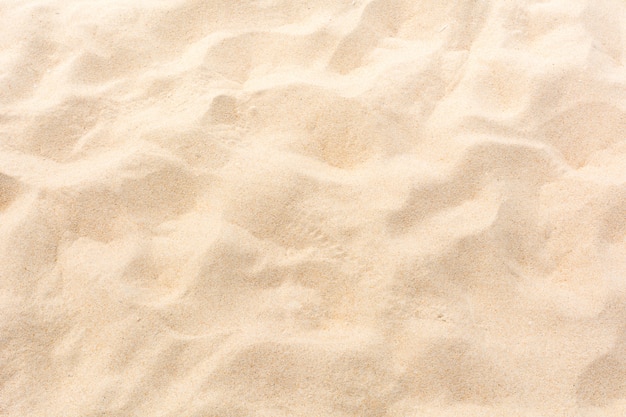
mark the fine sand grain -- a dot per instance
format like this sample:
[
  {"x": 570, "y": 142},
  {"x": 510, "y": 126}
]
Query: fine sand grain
[{"x": 326, "y": 208}]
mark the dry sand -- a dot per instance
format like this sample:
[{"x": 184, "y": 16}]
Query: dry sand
[{"x": 330, "y": 208}]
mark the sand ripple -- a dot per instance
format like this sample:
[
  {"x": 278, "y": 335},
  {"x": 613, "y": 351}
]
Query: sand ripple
[{"x": 329, "y": 208}]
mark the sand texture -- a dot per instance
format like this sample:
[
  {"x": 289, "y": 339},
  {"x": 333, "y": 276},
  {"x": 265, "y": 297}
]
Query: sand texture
[{"x": 325, "y": 208}]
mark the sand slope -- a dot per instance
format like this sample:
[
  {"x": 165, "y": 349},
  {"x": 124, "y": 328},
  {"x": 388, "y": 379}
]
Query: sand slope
[{"x": 338, "y": 208}]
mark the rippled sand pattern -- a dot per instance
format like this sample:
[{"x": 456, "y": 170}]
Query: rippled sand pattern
[{"x": 334, "y": 208}]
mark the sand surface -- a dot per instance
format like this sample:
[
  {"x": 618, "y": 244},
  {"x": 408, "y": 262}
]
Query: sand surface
[{"x": 326, "y": 208}]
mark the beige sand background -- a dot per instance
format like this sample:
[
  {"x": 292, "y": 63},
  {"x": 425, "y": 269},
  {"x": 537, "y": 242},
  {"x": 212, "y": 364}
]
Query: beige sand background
[{"x": 273, "y": 208}]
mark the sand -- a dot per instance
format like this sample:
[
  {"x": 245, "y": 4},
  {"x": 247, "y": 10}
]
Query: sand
[{"x": 338, "y": 208}]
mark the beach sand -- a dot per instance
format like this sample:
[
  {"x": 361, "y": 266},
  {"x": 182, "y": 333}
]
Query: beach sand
[{"x": 337, "y": 208}]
